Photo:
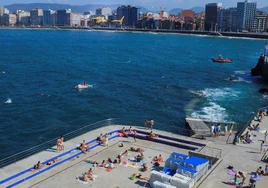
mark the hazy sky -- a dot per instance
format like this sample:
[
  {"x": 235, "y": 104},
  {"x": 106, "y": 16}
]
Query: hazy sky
[{"x": 150, "y": 4}]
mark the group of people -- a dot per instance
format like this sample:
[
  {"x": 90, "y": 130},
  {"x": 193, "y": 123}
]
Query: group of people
[
  {"x": 215, "y": 129},
  {"x": 148, "y": 123},
  {"x": 152, "y": 135},
  {"x": 260, "y": 115},
  {"x": 132, "y": 131},
  {"x": 39, "y": 165},
  {"x": 103, "y": 139}
]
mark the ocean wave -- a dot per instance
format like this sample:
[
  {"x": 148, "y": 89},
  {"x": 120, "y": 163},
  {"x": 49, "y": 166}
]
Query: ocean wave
[
  {"x": 3, "y": 72},
  {"x": 212, "y": 112},
  {"x": 8, "y": 101}
]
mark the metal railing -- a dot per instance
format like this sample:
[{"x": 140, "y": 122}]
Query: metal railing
[
  {"x": 169, "y": 127},
  {"x": 243, "y": 129}
]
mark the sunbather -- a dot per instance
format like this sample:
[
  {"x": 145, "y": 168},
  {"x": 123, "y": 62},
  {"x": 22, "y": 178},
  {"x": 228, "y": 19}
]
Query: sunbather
[
  {"x": 136, "y": 149},
  {"x": 140, "y": 176},
  {"x": 123, "y": 131},
  {"x": 99, "y": 138},
  {"x": 119, "y": 159},
  {"x": 83, "y": 147},
  {"x": 144, "y": 168},
  {"x": 260, "y": 171},
  {"x": 84, "y": 177},
  {"x": 39, "y": 165},
  {"x": 90, "y": 174},
  {"x": 95, "y": 163},
  {"x": 140, "y": 157},
  {"x": 158, "y": 158},
  {"x": 151, "y": 136},
  {"x": 125, "y": 153},
  {"x": 103, "y": 163},
  {"x": 52, "y": 162}
]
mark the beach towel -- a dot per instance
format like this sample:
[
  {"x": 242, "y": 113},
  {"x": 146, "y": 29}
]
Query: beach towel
[
  {"x": 109, "y": 169},
  {"x": 120, "y": 134},
  {"x": 231, "y": 172},
  {"x": 237, "y": 181}
]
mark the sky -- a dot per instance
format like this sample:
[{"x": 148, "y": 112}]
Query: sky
[{"x": 149, "y": 4}]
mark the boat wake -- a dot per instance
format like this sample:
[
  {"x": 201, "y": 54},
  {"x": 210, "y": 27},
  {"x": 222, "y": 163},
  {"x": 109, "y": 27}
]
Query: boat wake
[{"x": 8, "y": 101}]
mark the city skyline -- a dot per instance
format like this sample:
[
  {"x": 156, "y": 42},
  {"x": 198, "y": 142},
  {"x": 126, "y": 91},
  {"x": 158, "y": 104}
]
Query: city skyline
[{"x": 149, "y": 4}]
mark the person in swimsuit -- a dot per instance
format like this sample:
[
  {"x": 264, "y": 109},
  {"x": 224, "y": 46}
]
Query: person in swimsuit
[
  {"x": 52, "y": 162},
  {"x": 39, "y": 165},
  {"x": 83, "y": 147},
  {"x": 59, "y": 142},
  {"x": 134, "y": 134},
  {"x": 136, "y": 149}
]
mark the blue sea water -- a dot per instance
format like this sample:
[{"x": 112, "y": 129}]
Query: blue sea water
[{"x": 134, "y": 76}]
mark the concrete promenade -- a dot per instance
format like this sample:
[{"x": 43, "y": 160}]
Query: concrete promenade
[{"x": 244, "y": 157}]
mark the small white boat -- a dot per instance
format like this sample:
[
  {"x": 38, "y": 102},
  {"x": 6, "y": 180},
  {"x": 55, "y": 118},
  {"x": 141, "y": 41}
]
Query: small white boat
[{"x": 83, "y": 86}]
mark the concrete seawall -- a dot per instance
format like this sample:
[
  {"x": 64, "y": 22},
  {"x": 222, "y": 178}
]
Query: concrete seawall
[{"x": 207, "y": 33}]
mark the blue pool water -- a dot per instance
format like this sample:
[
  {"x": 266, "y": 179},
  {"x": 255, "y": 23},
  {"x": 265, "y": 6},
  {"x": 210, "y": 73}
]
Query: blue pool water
[{"x": 134, "y": 76}]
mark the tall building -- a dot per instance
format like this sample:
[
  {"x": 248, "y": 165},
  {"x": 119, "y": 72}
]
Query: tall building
[
  {"x": 266, "y": 25},
  {"x": 200, "y": 21},
  {"x": 20, "y": 15},
  {"x": 187, "y": 16},
  {"x": 2, "y": 10},
  {"x": 246, "y": 14},
  {"x": 104, "y": 11},
  {"x": 62, "y": 19},
  {"x": 227, "y": 19},
  {"x": 73, "y": 19},
  {"x": 37, "y": 16},
  {"x": 130, "y": 14},
  {"x": 211, "y": 11},
  {"x": 9, "y": 19},
  {"x": 49, "y": 17},
  {"x": 260, "y": 22}
]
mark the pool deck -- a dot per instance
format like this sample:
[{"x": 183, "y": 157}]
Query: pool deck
[{"x": 244, "y": 157}]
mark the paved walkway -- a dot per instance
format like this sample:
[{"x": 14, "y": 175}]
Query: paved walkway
[{"x": 243, "y": 157}]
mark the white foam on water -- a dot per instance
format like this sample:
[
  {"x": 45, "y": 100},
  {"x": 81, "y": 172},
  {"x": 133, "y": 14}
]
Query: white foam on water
[
  {"x": 8, "y": 101},
  {"x": 212, "y": 112},
  {"x": 265, "y": 96},
  {"x": 221, "y": 94},
  {"x": 240, "y": 72}
]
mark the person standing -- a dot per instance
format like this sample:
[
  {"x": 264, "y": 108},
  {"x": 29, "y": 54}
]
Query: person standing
[
  {"x": 62, "y": 145},
  {"x": 134, "y": 134},
  {"x": 266, "y": 136},
  {"x": 231, "y": 129},
  {"x": 262, "y": 147},
  {"x": 212, "y": 128},
  {"x": 59, "y": 144},
  {"x": 225, "y": 129}
]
